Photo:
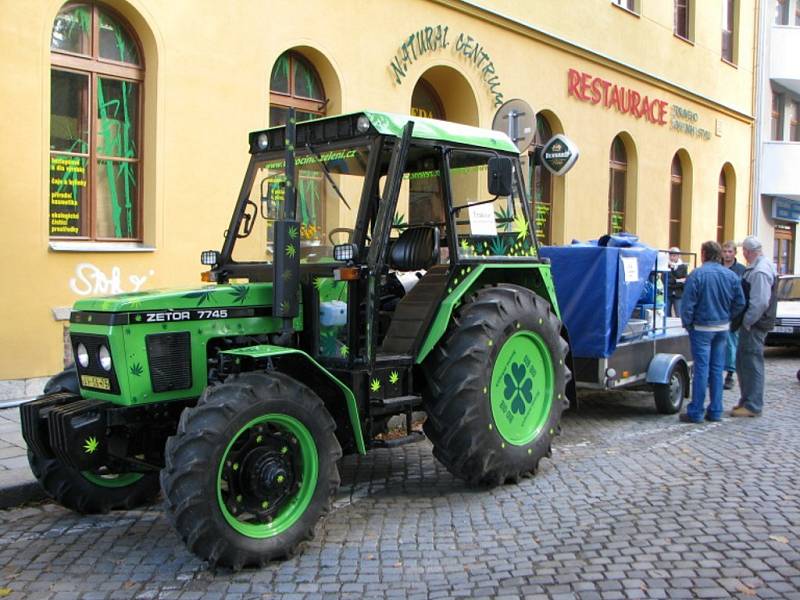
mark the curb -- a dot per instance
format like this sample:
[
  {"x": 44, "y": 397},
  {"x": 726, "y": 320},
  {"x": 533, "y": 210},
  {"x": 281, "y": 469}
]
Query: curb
[{"x": 19, "y": 493}]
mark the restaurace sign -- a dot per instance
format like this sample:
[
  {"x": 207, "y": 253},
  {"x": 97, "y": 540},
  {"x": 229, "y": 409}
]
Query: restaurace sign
[
  {"x": 596, "y": 90},
  {"x": 434, "y": 39}
]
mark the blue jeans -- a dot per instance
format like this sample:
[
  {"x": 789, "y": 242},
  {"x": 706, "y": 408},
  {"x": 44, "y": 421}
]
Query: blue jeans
[
  {"x": 708, "y": 352},
  {"x": 750, "y": 364},
  {"x": 730, "y": 354}
]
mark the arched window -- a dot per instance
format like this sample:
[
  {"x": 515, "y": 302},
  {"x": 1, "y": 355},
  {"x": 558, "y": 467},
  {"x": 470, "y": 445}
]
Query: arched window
[
  {"x": 295, "y": 83},
  {"x": 618, "y": 171},
  {"x": 425, "y": 102},
  {"x": 96, "y": 95},
  {"x": 542, "y": 181},
  {"x": 675, "y": 201},
  {"x": 722, "y": 199}
]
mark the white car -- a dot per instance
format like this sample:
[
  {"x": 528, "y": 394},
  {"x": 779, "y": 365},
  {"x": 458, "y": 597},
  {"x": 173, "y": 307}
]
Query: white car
[{"x": 787, "y": 323}]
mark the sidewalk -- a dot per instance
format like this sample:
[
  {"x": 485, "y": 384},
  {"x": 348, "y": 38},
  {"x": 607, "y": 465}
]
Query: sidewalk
[{"x": 17, "y": 483}]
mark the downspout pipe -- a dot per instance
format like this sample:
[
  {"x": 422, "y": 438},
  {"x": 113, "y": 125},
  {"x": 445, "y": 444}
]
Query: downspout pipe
[{"x": 762, "y": 72}]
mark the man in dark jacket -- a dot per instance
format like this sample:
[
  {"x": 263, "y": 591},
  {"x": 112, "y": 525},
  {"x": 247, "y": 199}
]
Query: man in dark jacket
[
  {"x": 729, "y": 260},
  {"x": 761, "y": 281},
  {"x": 712, "y": 297}
]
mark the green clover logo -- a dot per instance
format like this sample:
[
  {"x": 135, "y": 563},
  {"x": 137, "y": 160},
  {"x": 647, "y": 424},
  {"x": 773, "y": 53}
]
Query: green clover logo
[{"x": 518, "y": 388}]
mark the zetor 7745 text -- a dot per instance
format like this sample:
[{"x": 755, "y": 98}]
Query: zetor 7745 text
[{"x": 374, "y": 265}]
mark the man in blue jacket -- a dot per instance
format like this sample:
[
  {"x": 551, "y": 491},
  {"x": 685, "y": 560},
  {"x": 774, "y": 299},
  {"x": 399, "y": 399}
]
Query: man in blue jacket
[{"x": 712, "y": 297}]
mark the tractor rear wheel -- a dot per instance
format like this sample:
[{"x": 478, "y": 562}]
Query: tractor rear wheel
[
  {"x": 88, "y": 492},
  {"x": 496, "y": 386},
  {"x": 251, "y": 470}
]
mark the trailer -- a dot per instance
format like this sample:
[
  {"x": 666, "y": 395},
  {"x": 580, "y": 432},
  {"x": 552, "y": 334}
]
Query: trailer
[{"x": 611, "y": 294}]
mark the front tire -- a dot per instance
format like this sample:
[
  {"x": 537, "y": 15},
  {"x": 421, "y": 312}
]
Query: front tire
[
  {"x": 497, "y": 386},
  {"x": 251, "y": 470}
]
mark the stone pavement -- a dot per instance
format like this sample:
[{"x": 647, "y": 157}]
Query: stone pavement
[{"x": 632, "y": 505}]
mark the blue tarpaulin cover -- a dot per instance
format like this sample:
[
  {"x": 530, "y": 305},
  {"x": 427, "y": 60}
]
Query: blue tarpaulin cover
[{"x": 598, "y": 285}]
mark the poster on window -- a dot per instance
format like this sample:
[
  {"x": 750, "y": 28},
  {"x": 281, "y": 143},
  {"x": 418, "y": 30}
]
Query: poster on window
[{"x": 67, "y": 189}]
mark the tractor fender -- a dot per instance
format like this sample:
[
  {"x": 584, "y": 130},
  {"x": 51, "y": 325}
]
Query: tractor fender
[
  {"x": 661, "y": 367},
  {"x": 317, "y": 377}
]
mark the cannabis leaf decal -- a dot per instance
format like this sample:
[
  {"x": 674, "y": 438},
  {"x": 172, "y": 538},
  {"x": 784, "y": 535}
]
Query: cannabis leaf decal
[
  {"x": 293, "y": 232},
  {"x": 498, "y": 246},
  {"x": 136, "y": 369},
  {"x": 375, "y": 384},
  {"x": 202, "y": 296},
  {"x": 518, "y": 388},
  {"x": 239, "y": 293},
  {"x": 290, "y": 250},
  {"x": 394, "y": 377},
  {"x": 521, "y": 225},
  {"x": 90, "y": 445},
  {"x": 344, "y": 351}
]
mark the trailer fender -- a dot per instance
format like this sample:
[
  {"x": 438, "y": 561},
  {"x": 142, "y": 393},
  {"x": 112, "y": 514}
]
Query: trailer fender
[
  {"x": 661, "y": 367},
  {"x": 254, "y": 356}
]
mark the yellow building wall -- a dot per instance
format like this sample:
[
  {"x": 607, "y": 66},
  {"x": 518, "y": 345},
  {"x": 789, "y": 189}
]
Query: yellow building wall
[{"x": 207, "y": 77}]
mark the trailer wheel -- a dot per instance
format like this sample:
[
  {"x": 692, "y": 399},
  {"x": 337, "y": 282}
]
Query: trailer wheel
[
  {"x": 496, "y": 386},
  {"x": 669, "y": 396},
  {"x": 251, "y": 470},
  {"x": 88, "y": 492}
]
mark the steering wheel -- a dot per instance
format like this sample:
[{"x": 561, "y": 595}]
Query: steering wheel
[{"x": 336, "y": 230}]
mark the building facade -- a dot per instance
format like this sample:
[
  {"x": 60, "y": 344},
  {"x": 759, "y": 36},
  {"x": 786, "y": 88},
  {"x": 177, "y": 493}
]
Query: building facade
[
  {"x": 126, "y": 122},
  {"x": 777, "y": 209}
]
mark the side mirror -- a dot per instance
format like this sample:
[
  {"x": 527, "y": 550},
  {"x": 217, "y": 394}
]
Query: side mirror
[{"x": 500, "y": 176}]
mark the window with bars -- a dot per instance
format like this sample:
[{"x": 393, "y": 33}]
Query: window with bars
[
  {"x": 728, "y": 30},
  {"x": 617, "y": 192},
  {"x": 96, "y": 81},
  {"x": 682, "y": 10},
  {"x": 631, "y": 5}
]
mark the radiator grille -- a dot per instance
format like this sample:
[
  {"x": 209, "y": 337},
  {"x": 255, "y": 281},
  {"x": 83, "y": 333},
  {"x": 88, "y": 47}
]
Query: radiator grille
[
  {"x": 789, "y": 321},
  {"x": 170, "y": 359}
]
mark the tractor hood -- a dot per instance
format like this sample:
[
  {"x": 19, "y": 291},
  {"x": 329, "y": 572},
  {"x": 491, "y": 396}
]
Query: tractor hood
[{"x": 206, "y": 297}]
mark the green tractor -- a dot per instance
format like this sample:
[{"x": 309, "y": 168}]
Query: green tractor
[{"x": 374, "y": 265}]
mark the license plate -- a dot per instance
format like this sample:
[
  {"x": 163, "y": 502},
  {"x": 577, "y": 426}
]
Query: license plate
[
  {"x": 781, "y": 329},
  {"x": 91, "y": 381}
]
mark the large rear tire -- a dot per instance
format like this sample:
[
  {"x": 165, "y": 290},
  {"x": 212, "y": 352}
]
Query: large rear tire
[
  {"x": 496, "y": 386},
  {"x": 251, "y": 470},
  {"x": 88, "y": 492}
]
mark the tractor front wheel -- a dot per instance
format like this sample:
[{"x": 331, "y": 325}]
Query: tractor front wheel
[
  {"x": 251, "y": 470},
  {"x": 496, "y": 386}
]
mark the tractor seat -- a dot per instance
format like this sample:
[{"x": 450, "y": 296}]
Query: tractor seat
[{"x": 416, "y": 249}]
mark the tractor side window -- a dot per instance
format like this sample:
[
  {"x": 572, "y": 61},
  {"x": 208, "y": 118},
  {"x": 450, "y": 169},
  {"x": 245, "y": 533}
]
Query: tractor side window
[{"x": 486, "y": 229}]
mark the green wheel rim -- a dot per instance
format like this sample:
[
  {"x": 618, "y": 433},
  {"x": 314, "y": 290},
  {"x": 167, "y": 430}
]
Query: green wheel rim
[
  {"x": 522, "y": 388},
  {"x": 112, "y": 481},
  {"x": 303, "y": 451}
]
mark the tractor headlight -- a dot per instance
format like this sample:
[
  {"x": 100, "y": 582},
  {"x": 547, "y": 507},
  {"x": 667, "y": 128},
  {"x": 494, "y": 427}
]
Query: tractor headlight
[
  {"x": 362, "y": 124},
  {"x": 209, "y": 257},
  {"x": 82, "y": 354},
  {"x": 104, "y": 356},
  {"x": 262, "y": 141}
]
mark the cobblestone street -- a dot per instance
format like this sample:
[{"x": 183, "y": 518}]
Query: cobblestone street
[{"x": 632, "y": 505}]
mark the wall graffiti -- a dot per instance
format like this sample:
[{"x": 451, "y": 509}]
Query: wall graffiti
[{"x": 90, "y": 279}]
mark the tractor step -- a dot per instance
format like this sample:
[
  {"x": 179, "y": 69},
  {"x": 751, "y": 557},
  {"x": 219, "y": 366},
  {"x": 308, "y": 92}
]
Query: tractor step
[
  {"x": 411, "y": 438},
  {"x": 396, "y": 405}
]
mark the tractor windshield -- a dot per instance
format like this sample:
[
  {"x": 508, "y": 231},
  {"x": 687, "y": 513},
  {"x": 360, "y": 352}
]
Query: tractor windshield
[{"x": 329, "y": 186}]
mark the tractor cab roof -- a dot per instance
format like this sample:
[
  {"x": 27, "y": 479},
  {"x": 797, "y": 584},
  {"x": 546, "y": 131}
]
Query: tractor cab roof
[{"x": 368, "y": 122}]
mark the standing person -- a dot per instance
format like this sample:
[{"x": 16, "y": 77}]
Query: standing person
[
  {"x": 711, "y": 298},
  {"x": 729, "y": 260},
  {"x": 677, "y": 278},
  {"x": 761, "y": 282}
]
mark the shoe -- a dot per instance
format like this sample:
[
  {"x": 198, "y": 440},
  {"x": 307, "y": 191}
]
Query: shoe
[
  {"x": 684, "y": 418},
  {"x": 713, "y": 418},
  {"x": 728, "y": 385},
  {"x": 743, "y": 411}
]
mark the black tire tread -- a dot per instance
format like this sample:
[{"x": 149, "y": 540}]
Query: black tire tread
[
  {"x": 191, "y": 454},
  {"x": 460, "y": 367}
]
